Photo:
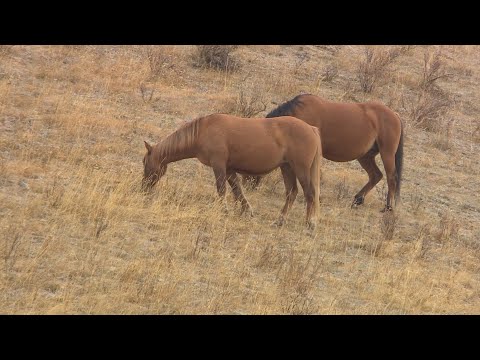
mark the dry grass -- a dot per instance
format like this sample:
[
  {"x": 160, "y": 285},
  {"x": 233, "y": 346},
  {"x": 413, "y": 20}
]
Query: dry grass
[{"x": 78, "y": 237}]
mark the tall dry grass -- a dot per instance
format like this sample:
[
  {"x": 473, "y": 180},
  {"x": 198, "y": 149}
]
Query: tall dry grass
[{"x": 78, "y": 237}]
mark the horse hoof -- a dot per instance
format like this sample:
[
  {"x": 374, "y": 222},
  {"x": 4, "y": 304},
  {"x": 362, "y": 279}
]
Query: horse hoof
[
  {"x": 386, "y": 209},
  {"x": 311, "y": 226},
  {"x": 357, "y": 202},
  {"x": 280, "y": 222}
]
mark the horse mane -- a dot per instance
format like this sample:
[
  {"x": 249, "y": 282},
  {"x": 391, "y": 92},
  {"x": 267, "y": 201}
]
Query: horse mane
[
  {"x": 182, "y": 138},
  {"x": 286, "y": 108}
]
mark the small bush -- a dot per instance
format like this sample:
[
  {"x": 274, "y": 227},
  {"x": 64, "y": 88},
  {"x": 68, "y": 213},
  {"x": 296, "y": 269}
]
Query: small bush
[
  {"x": 329, "y": 73},
  {"x": 249, "y": 105},
  {"x": 159, "y": 58},
  {"x": 217, "y": 57},
  {"x": 430, "y": 109},
  {"x": 433, "y": 70},
  {"x": 373, "y": 66}
]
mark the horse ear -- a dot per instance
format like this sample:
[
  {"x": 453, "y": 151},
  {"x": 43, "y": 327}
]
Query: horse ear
[{"x": 148, "y": 146}]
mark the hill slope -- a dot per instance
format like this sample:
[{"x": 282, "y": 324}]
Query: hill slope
[{"x": 77, "y": 236}]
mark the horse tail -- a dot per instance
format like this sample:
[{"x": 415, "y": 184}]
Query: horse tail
[
  {"x": 399, "y": 164},
  {"x": 315, "y": 172}
]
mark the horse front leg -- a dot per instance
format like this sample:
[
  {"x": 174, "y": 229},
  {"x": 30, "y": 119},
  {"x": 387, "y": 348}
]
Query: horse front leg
[
  {"x": 238, "y": 194},
  {"x": 220, "y": 181}
]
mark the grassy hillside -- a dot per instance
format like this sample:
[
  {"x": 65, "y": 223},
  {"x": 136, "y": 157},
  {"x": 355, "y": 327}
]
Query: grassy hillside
[{"x": 77, "y": 235}]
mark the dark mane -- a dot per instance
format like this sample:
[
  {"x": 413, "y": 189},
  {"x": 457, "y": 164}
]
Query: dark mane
[{"x": 286, "y": 108}]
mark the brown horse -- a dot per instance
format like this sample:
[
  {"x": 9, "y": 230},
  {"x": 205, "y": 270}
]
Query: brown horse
[
  {"x": 232, "y": 145},
  {"x": 353, "y": 131}
]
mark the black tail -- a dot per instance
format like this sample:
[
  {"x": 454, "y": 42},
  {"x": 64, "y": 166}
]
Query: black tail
[{"x": 399, "y": 165}]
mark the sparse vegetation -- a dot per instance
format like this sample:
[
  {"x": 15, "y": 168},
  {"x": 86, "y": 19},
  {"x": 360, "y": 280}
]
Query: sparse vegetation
[
  {"x": 77, "y": 236},
  {"x": 217, "y": 57},
  {"x": 373, "y": 66},
  {"x": 329, "y": 73},
  {"x": 159, "y": 59}
]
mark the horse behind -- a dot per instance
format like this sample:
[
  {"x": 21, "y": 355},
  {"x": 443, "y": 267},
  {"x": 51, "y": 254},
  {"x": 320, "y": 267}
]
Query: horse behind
[
  {"x": 354, "y": 131},
  {"x": 252, "y": 147}
]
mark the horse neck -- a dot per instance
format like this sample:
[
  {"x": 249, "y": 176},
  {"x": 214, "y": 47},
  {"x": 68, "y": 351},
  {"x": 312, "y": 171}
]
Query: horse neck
[{"x": 180, "y": 145}]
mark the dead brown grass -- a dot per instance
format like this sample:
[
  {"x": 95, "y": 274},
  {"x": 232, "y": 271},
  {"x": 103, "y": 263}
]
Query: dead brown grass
[{"x": 78, "y": 237}]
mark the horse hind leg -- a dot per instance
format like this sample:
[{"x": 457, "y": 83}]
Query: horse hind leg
[
  {"x": 238, "y": 194},
  {"x": 291, "y": 191},
  {"x": 374, "y": 176},
  {"x": 388, "y": 158},
  {"x": 309, "y": 193}
]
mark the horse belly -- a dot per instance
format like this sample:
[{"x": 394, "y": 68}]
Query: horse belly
[
  {"x": 346, "y": 149},
  {"x": 256, "y": 160}
]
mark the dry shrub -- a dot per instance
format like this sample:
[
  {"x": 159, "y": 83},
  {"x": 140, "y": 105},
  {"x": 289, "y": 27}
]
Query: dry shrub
[
  {"x": 159, "y": 58},
  {"x": 329, "y": 73},
  {"x": 250, "y": 100},
  {"x": 433, "y": 70},
  {"x": 372, "y": 68},
  {"x": 430, "y": 109},
  {"x": 249, "y": 105},
  {"x": 217, "y": 57},
  {"x": 301, "y": 59}
]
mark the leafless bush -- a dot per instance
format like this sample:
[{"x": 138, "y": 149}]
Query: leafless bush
[
  {"x": 373, "y": 66},
  {"x": 329, "y": 73},
  {"x": 159, "y": 58},
  {"x": 429, "y": 109},
  {"x": 249, "y": 105},
  {"x": 217, "y": 57},
  {"x": 301, "y": 59},
  {"x": 433, "y": 69}
]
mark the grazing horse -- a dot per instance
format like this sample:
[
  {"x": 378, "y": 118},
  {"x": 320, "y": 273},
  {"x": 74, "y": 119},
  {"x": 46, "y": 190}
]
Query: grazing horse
[
  {"x": 232, "y": 145},
  {"x": 353, "y": 131}
]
